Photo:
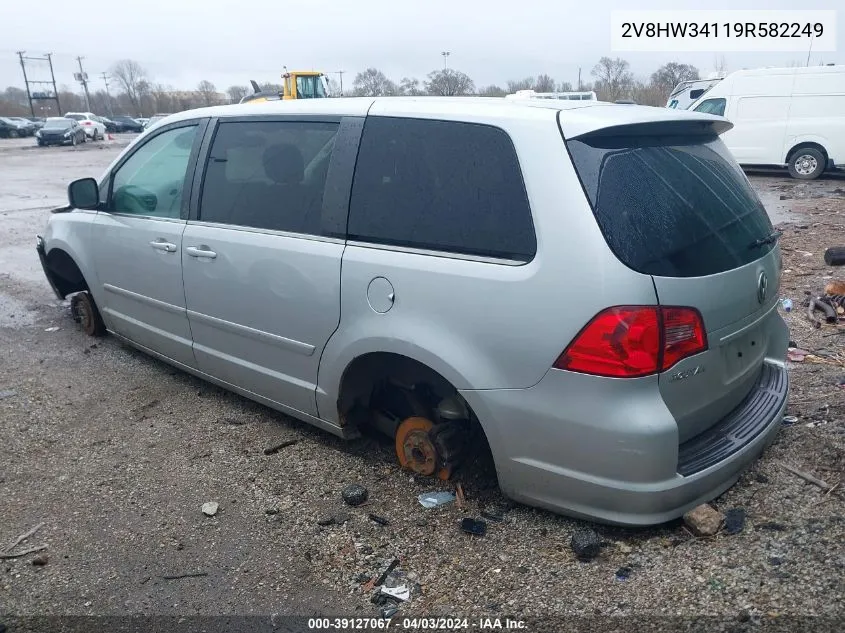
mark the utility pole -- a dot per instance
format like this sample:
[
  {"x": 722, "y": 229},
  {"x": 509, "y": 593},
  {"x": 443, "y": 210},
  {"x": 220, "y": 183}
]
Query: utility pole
[
  {"x": 108, "y": 95},
  {"x": 445, "y": 59},
  {"x": 339, "y": 73},
  {"x": 49, "y": 57},
  {"x": 26, "y": 82},
  {"x": 83, "y": 79}
]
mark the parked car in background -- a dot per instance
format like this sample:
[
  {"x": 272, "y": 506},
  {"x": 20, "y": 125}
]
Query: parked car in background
[
  {"x": 60, "y": 131},
  {"x": 8, "y": 129},
  {"x": 37, "y": 120},
  {"x": 622, "y": 366},
  {"x": 142, "y": 120},
  {"x": 154, "y": 119},
  {"x": 112, "y": 126},
  {"x": 18, "y": 128},
  {"x": 128, "y": 124},
  {"x": 788, "y": 117},
  {"x": 94, "y": 128},
  {"x": 28, "y": 125}
]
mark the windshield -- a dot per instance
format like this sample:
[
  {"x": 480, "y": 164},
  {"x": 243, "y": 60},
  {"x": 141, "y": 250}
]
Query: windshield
[
  {"x": 309, "y": 87},
  {"x": 75, "y": 117},
  {"x": 672, "y": 206},
  {"x": 57, "y": 124}
]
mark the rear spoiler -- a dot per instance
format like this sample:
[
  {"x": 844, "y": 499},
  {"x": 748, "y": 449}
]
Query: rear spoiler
[{"x": 632, "y": 120}]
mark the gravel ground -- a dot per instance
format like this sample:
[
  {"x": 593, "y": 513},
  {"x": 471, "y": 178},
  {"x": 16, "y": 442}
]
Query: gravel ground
[{"x": 116, "y": 453}]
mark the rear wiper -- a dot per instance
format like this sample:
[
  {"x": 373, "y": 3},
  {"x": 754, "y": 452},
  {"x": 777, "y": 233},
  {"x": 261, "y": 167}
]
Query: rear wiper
[{"x": 770, "y": 239}]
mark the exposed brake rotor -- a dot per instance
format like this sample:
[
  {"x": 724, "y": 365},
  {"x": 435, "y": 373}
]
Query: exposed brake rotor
[{"x": 416, "y": 449}]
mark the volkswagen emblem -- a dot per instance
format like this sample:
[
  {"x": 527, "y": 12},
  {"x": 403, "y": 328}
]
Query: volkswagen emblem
[{"x": 762, "y": 287}]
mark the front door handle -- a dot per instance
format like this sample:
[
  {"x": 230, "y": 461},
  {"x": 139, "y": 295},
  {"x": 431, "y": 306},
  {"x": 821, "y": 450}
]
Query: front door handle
[
  {"x": 200, "y": 251},
  {"x": 161, "y": 245}
]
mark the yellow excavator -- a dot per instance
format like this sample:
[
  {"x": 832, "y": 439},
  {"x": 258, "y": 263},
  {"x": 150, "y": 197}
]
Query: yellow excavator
[{"x": 298, "y": 84}]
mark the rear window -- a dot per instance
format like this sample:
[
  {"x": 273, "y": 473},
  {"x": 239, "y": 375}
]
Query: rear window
[{"x": 675, "y": 206}]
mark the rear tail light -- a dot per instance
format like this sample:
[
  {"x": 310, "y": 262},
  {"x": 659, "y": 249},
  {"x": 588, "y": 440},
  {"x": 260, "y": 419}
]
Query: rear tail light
[
  {"x": 634, "y": 341},
  {"x": 87, "y": 123}
]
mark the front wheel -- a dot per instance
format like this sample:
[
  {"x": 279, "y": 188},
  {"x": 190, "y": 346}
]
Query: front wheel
[
  {"x": 73, "y": 140},
  {"x": 85, "y": 312},
  {"x": 807, "y": 163}
]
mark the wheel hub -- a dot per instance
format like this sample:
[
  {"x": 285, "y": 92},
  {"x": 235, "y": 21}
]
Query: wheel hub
[
  {"x": 414, "y": 446},
  {"x": 806, "y": 165}
]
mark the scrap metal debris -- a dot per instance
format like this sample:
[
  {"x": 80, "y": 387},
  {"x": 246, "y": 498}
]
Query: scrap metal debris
[
  {"x": 434, "y": 499},
  {"x": 401, "y": 592},
  {"x": 210, "y": 508}
]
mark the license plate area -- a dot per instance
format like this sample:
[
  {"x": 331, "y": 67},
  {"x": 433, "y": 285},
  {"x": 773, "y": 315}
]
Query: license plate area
[{"x": 743, "y": 353}]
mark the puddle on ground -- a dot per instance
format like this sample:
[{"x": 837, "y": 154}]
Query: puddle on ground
[
  {"x": 779, "y": 210},
  {"x": 14, "y": 313}
]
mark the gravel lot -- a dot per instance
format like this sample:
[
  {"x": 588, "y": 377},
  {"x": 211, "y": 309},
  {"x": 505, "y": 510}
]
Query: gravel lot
[{"x": 116, "y": 453}]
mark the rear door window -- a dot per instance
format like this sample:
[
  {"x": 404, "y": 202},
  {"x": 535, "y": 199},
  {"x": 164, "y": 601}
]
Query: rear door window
[
  {"x": 443, "y": 186},
  {"x": 672, "y": 206},
  {"x": 268, "y": 175}
]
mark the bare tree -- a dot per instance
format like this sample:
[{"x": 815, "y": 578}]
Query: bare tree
[
  {"x": 449, "y": 83},
  {"x": 564, "y": 86},
  {"x": 670, "y": 75},
  {"x": 372, "y": 83},
  {"x": 613, "y": 79},
  {"x": 492, "y": 91},
  {"x": 522, "y": 84},
  {"x": 544, "y": 83},
  {"x": 236, "y": 93},
  {"x": 648, "y": 94},
  {"x": 410, "y": 87},
  {"x": 207, "y": 93},
  {"x": 129, "y": 75}
]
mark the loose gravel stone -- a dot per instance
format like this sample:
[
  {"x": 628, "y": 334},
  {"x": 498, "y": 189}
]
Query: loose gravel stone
[
  {"x": 355, "y": 494},
  {"x": 704, "y": 520}
]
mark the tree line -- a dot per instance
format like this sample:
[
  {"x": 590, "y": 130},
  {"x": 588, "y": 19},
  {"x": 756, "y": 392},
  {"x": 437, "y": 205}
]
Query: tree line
[{"x": 134, "y": 92}]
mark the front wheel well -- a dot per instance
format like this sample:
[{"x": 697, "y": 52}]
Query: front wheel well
[
  {"x": 805, "y": 145},
  {"x": 66, "y": 274}
]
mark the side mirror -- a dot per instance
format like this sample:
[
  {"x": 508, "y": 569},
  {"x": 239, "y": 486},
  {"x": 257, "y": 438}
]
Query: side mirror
[{"x": 84, "y": 194}]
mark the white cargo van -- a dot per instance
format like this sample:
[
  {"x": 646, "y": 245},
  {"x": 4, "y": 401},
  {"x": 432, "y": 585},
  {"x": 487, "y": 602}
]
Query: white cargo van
[{"x": 793, "y": 117}]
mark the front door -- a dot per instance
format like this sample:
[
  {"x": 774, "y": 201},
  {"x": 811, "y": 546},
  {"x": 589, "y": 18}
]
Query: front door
[
  {"x": 138, "y": 243},
  {"x": 262, "y": 279}
]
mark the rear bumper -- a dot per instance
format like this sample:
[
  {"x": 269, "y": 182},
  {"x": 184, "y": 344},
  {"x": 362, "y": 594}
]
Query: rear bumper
[{"x": 617, "y": 460}]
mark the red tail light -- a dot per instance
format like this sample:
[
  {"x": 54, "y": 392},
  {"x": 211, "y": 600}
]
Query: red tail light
[
  {"x": 633, "y": 341},
  {"x": 87, "y": 123}
]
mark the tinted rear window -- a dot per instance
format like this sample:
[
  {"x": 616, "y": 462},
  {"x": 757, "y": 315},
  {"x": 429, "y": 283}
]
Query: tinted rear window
[
  {"x": 440, "y": 185},
  {"x": 671, "y": 206}
]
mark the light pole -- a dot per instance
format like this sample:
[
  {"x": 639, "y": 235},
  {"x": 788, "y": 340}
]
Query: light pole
[{"x": 445, "y": 59}]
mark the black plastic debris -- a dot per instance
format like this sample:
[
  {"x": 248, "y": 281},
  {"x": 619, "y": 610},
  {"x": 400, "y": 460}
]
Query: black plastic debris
[
  {"x": 355, "y": 494},
  {"x": 393, "y": 565},
  {"x": 775, "y": 560},
  {"x": 772, "y": 526},
  {"x": 378, "y": 519},
  {"x": 494, "y": 515},
  {"x": 586, "y": 544},
  {"x": 734, "y": 520},
  {"x": 474, "y": 526},
  {"x": 623, "y": 573},
  {"x": 388, "y": 611}
]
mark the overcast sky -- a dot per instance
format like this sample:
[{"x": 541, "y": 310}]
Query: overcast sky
[{"x": 180, "y": 42}]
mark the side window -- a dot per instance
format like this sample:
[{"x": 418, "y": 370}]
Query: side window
[
  {"x": 440, "y": 185},
  {"x": 712, "y": 106},
  {"x": 151, "y": 181},
  {"x": 268, "y": 175}
]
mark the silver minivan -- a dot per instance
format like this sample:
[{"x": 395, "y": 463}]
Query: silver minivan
[{"x": 588, "y": 288}]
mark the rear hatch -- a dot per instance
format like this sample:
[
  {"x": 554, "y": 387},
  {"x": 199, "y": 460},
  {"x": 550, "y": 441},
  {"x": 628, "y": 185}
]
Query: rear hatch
[{"x": 673, "y": 204}]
